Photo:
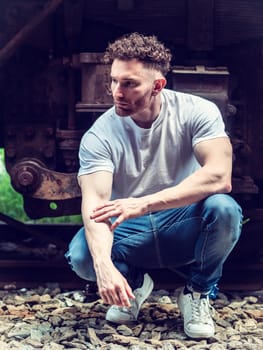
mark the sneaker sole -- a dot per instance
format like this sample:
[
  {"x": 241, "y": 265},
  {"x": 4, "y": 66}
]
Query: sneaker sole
[
  {"x": 147, "y": 289},
  {"x": 193, "y": 335},
  {"x": 199, "y": 335}
]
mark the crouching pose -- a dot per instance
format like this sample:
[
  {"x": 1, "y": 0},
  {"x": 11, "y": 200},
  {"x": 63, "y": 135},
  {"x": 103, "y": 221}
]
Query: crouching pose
[{"x": 155, "y": 170}]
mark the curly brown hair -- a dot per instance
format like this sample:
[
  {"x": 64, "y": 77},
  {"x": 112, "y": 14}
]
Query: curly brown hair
[{"x": 147, "y": 49}]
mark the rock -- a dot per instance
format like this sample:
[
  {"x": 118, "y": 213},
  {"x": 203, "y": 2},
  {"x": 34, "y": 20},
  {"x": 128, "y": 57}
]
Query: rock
[
  {"x": 165, "y": 300},
  {"x": 124, "y": 330},
  {"x": 50, "y": 319},
  {"x": 93, "y": 337},
  {"x": 251, "y": 299},
  {"x": 21, "y": 330},
  {"x": 53, "y": 346},
  {"x": 5, "y": 327},
  {"x": 217, "y": 347},
  {"x": 256, "y": 314},
  {"x": 235, "y": 345},
  {"x": 237, "y": 304}
]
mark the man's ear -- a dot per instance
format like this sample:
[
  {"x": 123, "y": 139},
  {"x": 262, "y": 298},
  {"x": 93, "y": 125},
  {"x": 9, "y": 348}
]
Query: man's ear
[{"x": 159, "y": 84}]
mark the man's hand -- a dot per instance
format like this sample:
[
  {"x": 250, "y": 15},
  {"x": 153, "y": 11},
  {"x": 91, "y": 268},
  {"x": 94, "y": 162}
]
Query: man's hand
[
  {"x": 113, "y": 287},
  {"x": 123, "y": 209}
]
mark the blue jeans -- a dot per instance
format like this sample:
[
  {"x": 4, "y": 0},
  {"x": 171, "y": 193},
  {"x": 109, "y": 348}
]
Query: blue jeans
[{"x": 200, "y": 235}]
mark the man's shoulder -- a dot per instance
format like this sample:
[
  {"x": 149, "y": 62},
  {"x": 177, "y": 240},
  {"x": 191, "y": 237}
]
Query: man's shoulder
[
  {"x": 105, "y": 120},
  {"x": 174, "y": 97},
  {"x": 185, "y": 97},
  {"x": 108, "y": 114},
  {"x": 189, "y": 102}
]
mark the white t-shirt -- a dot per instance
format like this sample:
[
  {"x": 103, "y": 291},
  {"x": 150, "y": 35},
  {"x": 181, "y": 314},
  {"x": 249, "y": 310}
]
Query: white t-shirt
[{"x": 144, "y": 161}]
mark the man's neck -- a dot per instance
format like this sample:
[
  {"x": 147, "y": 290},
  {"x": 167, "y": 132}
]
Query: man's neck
[{"x": 146, "y": 118}]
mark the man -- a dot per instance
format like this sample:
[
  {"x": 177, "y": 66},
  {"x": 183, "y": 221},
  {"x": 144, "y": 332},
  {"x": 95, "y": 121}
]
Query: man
[{"x": 154, "y": 170}]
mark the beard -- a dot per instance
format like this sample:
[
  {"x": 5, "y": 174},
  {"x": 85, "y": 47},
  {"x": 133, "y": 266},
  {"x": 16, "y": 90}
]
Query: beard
[
  {"x": 125, "y": 109},
  {"x": 123, "y": 112}
]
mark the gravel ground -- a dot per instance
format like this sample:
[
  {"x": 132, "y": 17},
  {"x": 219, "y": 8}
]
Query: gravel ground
[{"x": 50, "y": 319}]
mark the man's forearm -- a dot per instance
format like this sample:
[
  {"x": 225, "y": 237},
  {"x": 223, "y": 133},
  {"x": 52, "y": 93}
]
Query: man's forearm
[
  {"x": 199, "y": 185},
  {"x": 193, "y": 189},
  {"x": 112, "y": 285},
  {"x": 99, "y": 238}
]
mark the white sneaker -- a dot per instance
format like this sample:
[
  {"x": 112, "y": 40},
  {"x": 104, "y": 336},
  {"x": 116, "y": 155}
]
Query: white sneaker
[
  {"x": 120, "y": 315},
  {"x": 195, "y": 309}
]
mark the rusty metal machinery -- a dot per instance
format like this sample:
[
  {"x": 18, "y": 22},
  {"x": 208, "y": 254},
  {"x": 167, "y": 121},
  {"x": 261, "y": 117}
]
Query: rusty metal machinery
[
  {"x": 54, "y": 85},
  {"x": 212, "y": 83},
  {"x": 34, "y": 151}
]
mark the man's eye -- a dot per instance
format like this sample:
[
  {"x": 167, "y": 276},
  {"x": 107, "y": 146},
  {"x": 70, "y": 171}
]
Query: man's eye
[{"x": 129, "y": 84}]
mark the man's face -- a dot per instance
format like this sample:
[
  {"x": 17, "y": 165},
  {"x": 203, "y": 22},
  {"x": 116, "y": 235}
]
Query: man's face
[{"x": 132, "y": 87}]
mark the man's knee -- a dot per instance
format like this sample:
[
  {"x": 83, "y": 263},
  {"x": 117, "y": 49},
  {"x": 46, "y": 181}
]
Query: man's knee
[
  {"x": 224, "y": 210},
  {"x": 79, "y": 257},
  {"x": 223, "y": 207}
]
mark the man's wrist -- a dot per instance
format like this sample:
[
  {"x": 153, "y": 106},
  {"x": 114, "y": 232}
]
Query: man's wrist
[
  {"x": 154, "y": 202},
  {"x": 101, "y": 261}
]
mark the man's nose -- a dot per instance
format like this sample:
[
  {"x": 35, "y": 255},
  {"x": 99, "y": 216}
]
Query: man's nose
[{"x": 117, "y": 91}]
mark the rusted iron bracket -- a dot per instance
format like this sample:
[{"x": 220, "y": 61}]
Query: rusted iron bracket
[
  {"x": 46, "y": 192},
  {"x": 29, "y": 177}
]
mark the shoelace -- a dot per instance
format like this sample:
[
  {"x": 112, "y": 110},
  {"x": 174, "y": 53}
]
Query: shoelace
[{"x": 200, "y": 311}]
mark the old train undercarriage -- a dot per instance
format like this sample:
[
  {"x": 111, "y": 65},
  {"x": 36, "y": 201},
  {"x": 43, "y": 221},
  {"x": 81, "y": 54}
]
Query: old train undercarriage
[{"x": 54, "y": 85}]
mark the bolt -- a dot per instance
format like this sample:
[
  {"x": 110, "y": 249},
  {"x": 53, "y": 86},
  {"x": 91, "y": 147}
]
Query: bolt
[
  {"x": 25, "y": 178},
  {"x": 68, "y": 162},
  {"x": 231, "y": 110},
  {"x": 48, "y": 152},
  {"x": 10, "y": 152},
  {"x": 49, "y": 132},
  {"x": 29, "y": 131}
]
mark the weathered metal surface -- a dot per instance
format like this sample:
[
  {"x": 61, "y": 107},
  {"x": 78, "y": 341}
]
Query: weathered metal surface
[
  {"x": 30, "y": 141},
  {"x": 53, "y": 84},
  {"x": 95, "y": 84},
  {"x": 31, "y": 178},
  {"x": 213, "y": 84},
  {"x": 10, "y": 48},
  {"x": 208, "y": 82},
  {"x": 46, "y": 192}
]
